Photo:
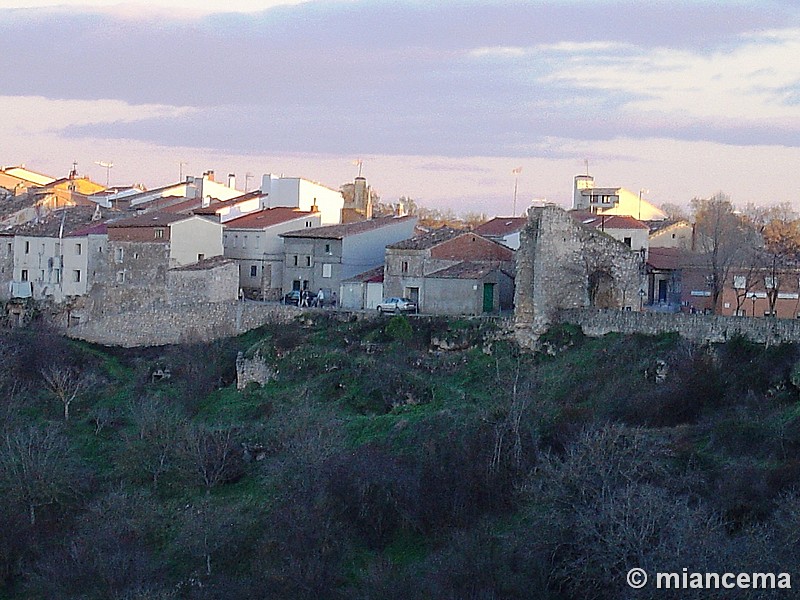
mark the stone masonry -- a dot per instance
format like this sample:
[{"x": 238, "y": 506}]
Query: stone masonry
[{"x": 563, "y": 265}]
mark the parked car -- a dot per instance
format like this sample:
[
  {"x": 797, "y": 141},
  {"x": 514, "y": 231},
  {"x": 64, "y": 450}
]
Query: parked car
[
  {"x": 397, "y": 305},
  {"x": 292, "y": 297}
]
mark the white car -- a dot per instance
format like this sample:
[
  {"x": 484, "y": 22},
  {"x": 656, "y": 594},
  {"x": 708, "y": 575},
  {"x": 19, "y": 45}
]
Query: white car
[{"x": 397, "y": 305}]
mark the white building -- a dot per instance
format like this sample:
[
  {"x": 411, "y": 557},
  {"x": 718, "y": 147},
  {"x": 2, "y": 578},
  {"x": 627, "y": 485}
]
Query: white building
[
  {"x": 303, "y": 194},
  {"x": 56, "y": 257},
  {"x": 613, "y": 201},
  {"x": 254, "y": 241},
  {"x": 629, "y": 231}
]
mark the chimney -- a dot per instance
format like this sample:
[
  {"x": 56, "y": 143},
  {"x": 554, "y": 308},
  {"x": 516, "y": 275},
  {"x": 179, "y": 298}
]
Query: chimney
[
  {"x": 206, "y": 201},
  {"x": 209, "y": 175},
  {"x": 232, "y": 180},
  {"x": 314, "y": 207}
]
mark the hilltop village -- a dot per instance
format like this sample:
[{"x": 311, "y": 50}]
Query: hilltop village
[{"x": 192, "y": 252}]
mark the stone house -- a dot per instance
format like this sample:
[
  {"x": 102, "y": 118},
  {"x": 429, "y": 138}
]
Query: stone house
[
  {"x": 142, "y": 248},
  {"x": 562, "y": 264},
  {"x": 469, "y": 288},
  {"x": 323, "y": 257},
  {"x": 254, "y": 242},
  {"x": 411, "y": 262}
]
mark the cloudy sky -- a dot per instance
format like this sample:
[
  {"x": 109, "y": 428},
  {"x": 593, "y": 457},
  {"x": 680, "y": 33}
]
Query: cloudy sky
[{"x": 440, "y": 100}]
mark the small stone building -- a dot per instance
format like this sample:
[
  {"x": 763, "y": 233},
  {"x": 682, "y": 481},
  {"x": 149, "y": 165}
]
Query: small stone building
[{"x": 562, "y": 264}]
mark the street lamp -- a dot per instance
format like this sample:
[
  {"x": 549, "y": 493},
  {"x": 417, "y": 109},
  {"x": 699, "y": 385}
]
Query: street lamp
[
  {"x": 641, "y": 191},
  {"x": 642, "y": 294},
  {"x": 753, "y": 298}
]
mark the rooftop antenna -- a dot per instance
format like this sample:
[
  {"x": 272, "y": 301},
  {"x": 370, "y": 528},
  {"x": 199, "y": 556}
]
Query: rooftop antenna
[
  {"x": 360, "y": 164},
  {"x": 586, "y": 163},
  {"x": 74, "y": 173},
  {"x": 107, "y": 166}
]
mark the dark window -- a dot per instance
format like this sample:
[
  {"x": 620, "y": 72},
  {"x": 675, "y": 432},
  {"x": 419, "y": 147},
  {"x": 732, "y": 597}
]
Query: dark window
[
  {"x": 253, "y": 270},
  {"x": 628, "y": 242}
]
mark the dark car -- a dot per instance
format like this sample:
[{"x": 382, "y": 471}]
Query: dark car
[{"x": 292, "y": 297}]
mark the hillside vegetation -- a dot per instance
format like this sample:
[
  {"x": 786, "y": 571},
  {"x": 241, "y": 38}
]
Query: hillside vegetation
[{"x": 393, "y": 458}]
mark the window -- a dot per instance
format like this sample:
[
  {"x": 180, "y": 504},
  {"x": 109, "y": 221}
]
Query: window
[
  {"x": 120, "y": 276},
  {"x": 253, "y": 270},
  {"x": 770, "y": 283},
  {"x": 78, "y": 249},
  {"x": 327, "y": 248},
  {"x": 326, "y": 270},
  {"x": 200, "y": 257},
  {"x": 27, "y": 249},
  {"x": 308, "y": 261},
  {"x": 24, "y": 274},
  {"x": 119, "y": 254},
  {"x": 308, "y": 223},
  {"x": 739, "y": 282},
  {"x": 76, "y": 275},
  {"x": 628, "y": 242},
  {"x": 9, "y": 247},
  {"x": 244, "y": 242},
  {"x": 404, "y": 267},
  {"x": 41, "y": 275},
  {"x": 295, "y": 260},
  {"x": 158, "y": 233},
  {"x": 57, "y": 275}
]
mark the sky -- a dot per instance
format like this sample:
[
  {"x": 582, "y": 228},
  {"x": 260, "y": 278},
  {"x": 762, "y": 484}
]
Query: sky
[{"x": 440, "y": 101}]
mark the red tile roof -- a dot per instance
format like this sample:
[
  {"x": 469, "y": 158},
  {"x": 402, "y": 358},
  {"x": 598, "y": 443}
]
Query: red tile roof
[
  {"x": 267, "y": 218},
  {"x": 466, "y": 270},
  {"x": 153, "y": 219},
  {"x": 372, "y": 276},
  {"x": 502, "y": 226},
  {"x": 337, "y": 232},
  {"x": 596, "y": 221},
  {"x": 427, "y": 240},
  {"x": 664, "y": 258}
]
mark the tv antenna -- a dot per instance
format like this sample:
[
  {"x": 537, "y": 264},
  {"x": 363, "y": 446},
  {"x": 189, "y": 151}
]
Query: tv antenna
[{"x": 107, "y": 166}]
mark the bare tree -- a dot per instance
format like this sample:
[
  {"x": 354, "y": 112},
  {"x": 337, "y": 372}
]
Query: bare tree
[
  {"x": 724, "y": 237},
  {"x": 153, "y": 445},
  {"x": 65, "y": 383},
  {"x": 37, "y": 468},
  {"x": 214, "y": 454}
]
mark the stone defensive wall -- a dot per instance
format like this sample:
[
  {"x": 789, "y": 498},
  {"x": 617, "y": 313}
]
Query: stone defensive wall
[
  {"x": 699, "y": 328},
  {"x": 183, "y": 323}
]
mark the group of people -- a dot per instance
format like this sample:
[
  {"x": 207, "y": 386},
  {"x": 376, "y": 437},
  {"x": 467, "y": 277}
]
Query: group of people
[{"x": 307, "y": 298}]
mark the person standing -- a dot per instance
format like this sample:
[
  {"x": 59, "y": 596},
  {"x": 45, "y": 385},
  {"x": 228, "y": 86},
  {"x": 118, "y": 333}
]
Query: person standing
[{"x": 320, "y": 298}]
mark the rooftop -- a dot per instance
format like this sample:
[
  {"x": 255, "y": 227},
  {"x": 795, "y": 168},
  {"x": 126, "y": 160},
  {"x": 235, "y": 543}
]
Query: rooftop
[
  {"x": 372, "y": 276},
  {"x": 502, "y": 226},
  {"x": 206, "y": 264},
  {"x": 607, "y": 221},
  {"x": 466, "y": 270},
  {"x": 337, "y": 232},
  {"x": 215, "y": 205},
  {"x": 153, "y": 219},
  {"x": 267, "y": 218},
  {"x": 75, "y": 219},
  {"x": 427, "y": 240}
]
